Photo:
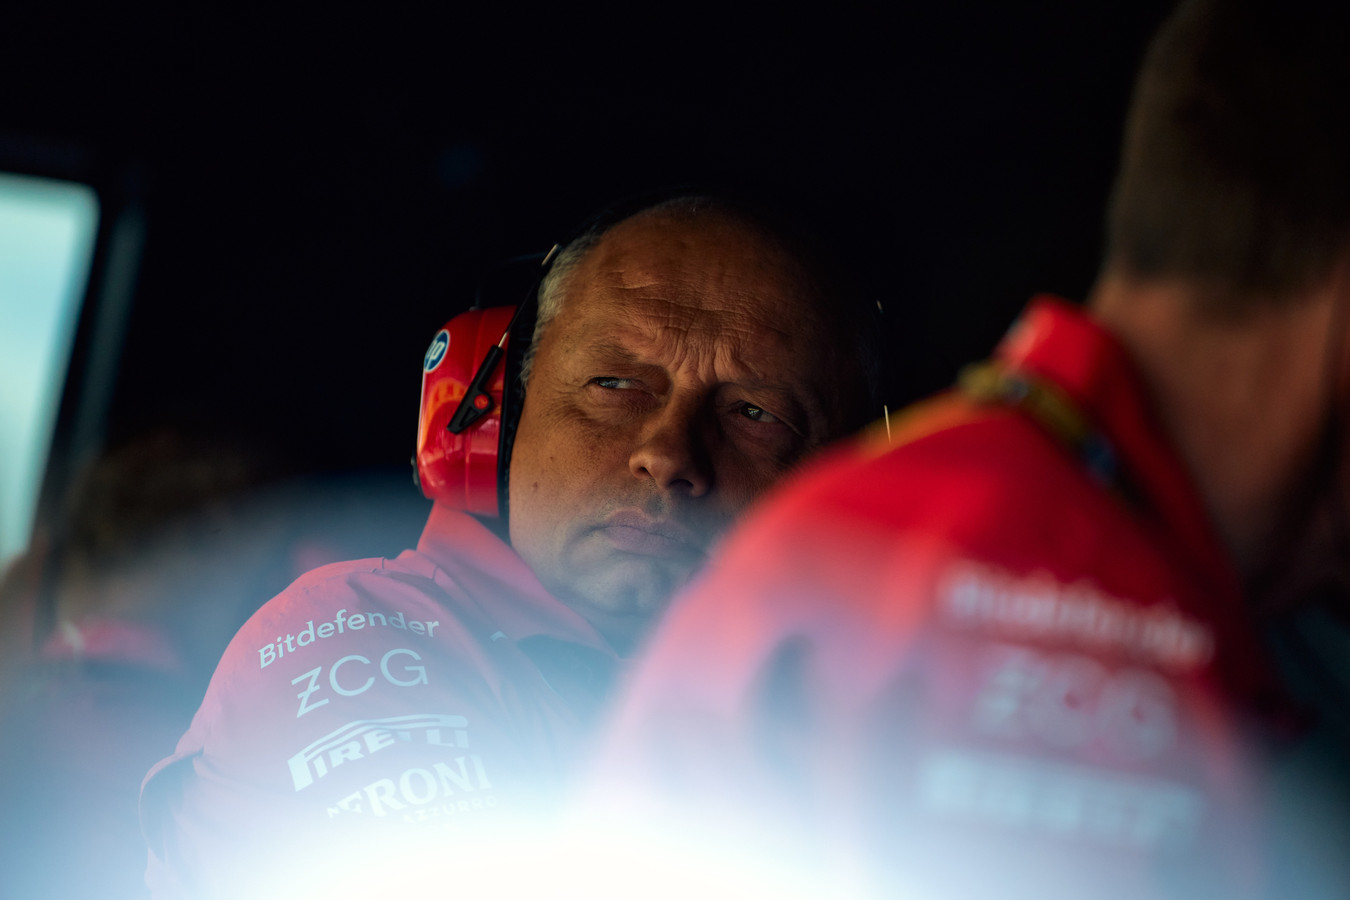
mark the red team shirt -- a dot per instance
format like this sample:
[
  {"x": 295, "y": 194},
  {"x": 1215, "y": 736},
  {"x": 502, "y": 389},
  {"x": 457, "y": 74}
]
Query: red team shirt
[
  {"x": 441, "y": 689},
  {"x": 966, "y": 664}
]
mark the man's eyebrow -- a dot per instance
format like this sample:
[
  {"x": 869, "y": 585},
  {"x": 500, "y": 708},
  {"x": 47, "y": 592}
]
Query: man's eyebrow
[
  {"x": 603, "y": 349},
  {"x": 786, "y": 397},
  {"x": 610, "y": 350}
]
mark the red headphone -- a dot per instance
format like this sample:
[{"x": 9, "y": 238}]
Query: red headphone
[
  {"x": 471, "y": 399},
  {"x": 460, "y": 425}
]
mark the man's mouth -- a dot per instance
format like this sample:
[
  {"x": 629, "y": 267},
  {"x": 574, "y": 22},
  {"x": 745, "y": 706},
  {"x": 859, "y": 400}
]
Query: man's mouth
[{"x": 637, "y": 533}]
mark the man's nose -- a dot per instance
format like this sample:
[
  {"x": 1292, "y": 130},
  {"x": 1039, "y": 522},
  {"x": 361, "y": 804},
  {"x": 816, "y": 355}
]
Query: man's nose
[{"x": 672, "y": 450}]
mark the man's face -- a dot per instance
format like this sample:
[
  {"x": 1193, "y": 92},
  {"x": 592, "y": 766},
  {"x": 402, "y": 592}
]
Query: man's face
[{"x": 685, "y": 371}]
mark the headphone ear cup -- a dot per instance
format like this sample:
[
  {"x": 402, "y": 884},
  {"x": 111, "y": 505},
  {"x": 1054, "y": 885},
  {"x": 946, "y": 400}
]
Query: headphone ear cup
[{"x": 461, "y": 470}]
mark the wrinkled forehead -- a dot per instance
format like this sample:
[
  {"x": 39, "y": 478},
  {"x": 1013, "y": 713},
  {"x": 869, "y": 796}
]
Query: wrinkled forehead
[
  {"x": 705, "y": 270},
  {"x": 713, "y": 297}
]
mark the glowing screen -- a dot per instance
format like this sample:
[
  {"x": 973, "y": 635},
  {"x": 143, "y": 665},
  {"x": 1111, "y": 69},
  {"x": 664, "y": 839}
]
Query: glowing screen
[{"x": 47, "y": 233}]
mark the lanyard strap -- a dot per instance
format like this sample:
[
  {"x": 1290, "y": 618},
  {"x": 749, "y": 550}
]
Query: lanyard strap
[{"x": 1048, "y": 406}]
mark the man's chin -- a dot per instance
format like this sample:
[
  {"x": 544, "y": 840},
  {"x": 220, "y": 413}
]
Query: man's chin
[{"x": 624, "y": 600}]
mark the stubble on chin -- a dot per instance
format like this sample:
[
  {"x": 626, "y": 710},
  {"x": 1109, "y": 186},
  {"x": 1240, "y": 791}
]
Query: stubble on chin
[{"x": 624, "y": 595}]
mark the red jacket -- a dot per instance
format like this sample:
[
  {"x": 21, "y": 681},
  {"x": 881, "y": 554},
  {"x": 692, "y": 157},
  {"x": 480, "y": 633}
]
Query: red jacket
[
  {"x": 372, "y": 700},
  {"x": 998, "y": 656}
]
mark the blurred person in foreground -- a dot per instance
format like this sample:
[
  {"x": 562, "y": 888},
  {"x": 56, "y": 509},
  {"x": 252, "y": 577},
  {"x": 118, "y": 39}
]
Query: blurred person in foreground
[
  {"x": 688, "y": 353},
  {"x": 1040, "y": 641},
  {"x": 105, "y": 665}
]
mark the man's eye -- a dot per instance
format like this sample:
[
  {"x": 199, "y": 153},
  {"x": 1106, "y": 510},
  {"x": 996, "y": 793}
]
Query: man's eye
[
  {"x": 613, "y": 384},
  {"x": 758, "y": 414}
]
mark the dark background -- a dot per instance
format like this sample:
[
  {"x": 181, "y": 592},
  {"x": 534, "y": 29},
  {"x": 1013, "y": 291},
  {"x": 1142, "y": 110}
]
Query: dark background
[{"x": 323, "y": 188}]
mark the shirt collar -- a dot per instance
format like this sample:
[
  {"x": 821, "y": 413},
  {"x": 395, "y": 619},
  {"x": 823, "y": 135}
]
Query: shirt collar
[{"x": 1058, "y": 341}]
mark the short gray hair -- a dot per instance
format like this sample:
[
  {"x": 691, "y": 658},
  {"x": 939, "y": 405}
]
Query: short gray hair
[{"x": 551, "y": 289}]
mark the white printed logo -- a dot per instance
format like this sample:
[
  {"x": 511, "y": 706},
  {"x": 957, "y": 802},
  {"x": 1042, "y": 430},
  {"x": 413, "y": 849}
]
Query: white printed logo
[
  {"x": 364, "y": 737},
  {"x": 1070, "y": 701},
  {"x": 340, "y": 624},
  {"x": 436, "y": 352},
  {"x": 420, "y": 793},
  {"x": 1061, "y": 800},
  {"x": 348, "y": 684},
  {"x": 1038, "y": 607}
]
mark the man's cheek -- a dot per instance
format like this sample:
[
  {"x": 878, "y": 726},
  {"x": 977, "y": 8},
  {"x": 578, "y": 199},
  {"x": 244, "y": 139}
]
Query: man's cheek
[{"x": 745, "y": 481}]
